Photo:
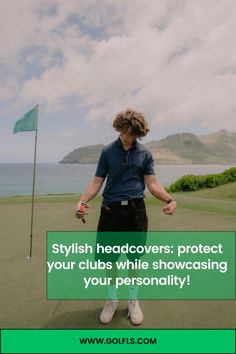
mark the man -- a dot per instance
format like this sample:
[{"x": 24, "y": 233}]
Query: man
[{"x": 128, "y": 166}]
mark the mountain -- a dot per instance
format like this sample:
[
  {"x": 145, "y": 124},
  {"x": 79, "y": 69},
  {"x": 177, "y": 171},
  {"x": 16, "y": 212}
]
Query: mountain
[
  {"x": 182, "y": 148},
  {"x": 87, "y": 154},
  {"x": 222, "y": 145}
]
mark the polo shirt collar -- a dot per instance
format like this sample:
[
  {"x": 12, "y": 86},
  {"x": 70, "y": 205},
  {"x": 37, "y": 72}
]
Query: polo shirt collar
[{"x": 119, "y": 144}]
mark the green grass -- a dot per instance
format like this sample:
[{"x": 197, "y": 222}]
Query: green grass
[
  {"x": 226, "y": 191},
  {"x": 211, "y": 209},
  {"x": 23, "y": 302},
  {"x": 221, "y": 200},
  {"x": 50, "y": 198}
]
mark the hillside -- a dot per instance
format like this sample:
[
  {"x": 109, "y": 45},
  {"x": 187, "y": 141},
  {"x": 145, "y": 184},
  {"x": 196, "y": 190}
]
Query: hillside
[
  {"x": 87, "y": 154},
  {"x": 182, "y": 148}
]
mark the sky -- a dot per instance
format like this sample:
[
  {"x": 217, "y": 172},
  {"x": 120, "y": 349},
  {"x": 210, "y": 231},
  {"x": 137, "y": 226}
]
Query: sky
[{"x": 84, "y": 61}]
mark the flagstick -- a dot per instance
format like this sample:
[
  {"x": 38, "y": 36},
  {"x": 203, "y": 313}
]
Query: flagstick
[{"x": 33, "y": 189}]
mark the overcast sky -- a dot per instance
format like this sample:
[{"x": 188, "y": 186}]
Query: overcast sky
[{"x": 83, "y": 61}]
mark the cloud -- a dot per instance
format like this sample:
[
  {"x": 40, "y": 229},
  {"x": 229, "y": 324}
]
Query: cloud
[
  {"x": 8, "y": 90},
  {"x": 173, "y": 60},
  {"x": 66, "y": 135},
  {"x": 18, "y": 21}
]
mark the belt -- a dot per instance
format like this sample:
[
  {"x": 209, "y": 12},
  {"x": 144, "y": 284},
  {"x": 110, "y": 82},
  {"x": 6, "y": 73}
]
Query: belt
[{"x": 127, "y": 202}]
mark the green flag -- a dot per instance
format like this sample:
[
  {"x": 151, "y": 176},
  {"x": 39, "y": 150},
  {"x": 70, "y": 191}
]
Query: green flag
[{"x": 28, "y": 122}]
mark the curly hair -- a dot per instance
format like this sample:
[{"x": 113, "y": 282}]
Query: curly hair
[{"x": 131, "y": 119}]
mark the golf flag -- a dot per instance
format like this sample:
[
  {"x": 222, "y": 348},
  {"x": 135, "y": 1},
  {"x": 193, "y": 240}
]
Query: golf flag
[{"x": 28, "y": 122}]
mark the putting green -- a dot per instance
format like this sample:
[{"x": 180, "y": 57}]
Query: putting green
[{"x": 23, "y": 301}]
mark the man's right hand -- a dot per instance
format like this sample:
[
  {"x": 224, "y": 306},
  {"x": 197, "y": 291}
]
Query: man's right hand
[{"x": 81, "y": 210}]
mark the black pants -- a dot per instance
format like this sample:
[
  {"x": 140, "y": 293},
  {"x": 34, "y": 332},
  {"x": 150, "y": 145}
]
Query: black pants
[
  {"x": 130, "y": 221},
  {"x": 118, "y": 217}
]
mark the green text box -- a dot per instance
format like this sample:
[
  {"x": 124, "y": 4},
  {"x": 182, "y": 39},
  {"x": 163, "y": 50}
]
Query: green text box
[
  {"x": 118, "y": 341},
  {"x": 182, "y": 265}
]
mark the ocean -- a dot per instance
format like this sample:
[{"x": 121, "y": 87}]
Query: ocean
[{"x": 54, "y": 178}]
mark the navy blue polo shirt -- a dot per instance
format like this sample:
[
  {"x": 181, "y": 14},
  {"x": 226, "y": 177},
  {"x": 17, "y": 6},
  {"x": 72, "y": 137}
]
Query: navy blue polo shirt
[{"x": 130, "y": 185}]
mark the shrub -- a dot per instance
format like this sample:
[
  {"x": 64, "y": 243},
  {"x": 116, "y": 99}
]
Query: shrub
[{"x": 193, "y": 183}]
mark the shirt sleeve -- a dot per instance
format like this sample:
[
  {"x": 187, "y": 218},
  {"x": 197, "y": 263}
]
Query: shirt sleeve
[
  {"x": 149, "y": 165},
  {"x": 102, "y": 167}
]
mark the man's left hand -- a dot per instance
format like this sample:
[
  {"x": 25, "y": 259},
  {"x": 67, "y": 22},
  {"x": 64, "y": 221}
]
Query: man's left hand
[{"x": 169, "y": 209}]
